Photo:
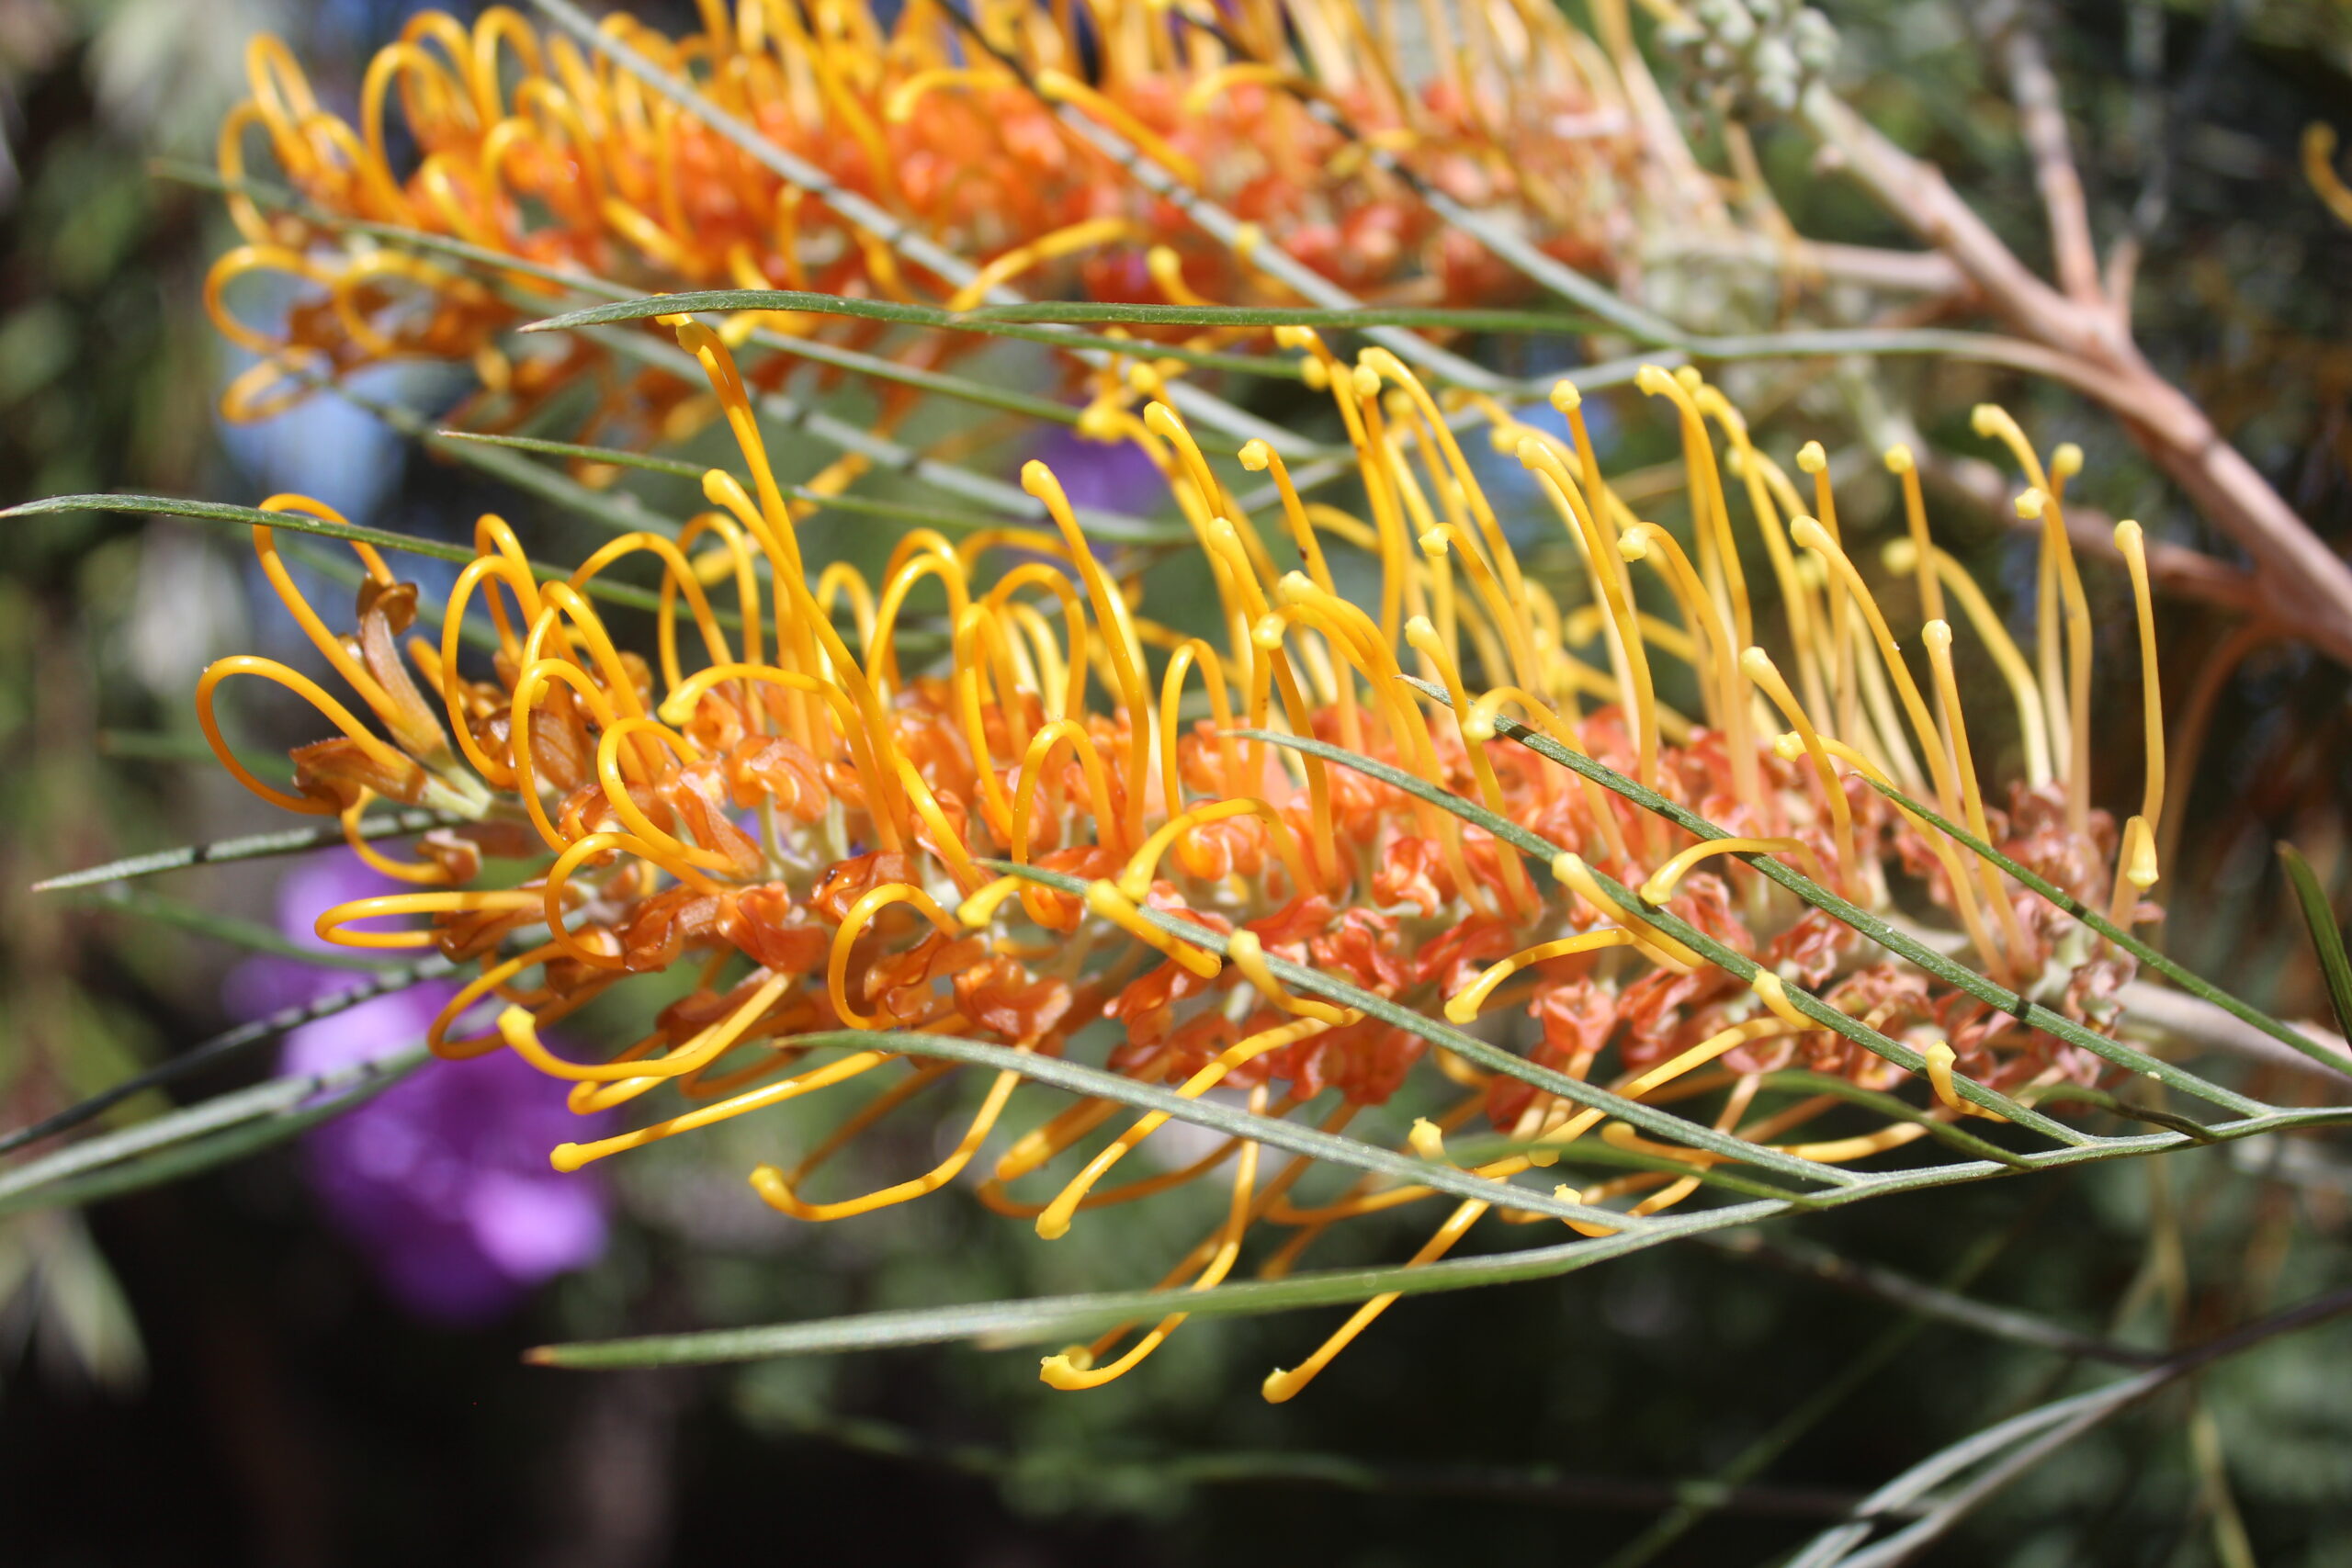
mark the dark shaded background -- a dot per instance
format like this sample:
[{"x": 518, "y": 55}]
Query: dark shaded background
[{"x": 229, "y": 1385}]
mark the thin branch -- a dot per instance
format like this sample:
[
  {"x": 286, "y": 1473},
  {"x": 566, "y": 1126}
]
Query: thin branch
[
  {"x": 2299, "y": 574},
  {"x": 2042, "y": 120}
]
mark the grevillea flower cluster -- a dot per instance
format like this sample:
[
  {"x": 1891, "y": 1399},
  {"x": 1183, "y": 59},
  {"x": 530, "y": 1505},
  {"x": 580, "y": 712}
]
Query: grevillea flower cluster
[
  {"x": 818, "y": 821},
  {"x": 527, "y": 146}
]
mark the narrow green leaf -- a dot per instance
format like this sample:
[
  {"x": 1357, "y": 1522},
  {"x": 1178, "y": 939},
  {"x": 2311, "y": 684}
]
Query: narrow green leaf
[
  {"x": 219, "y": 927},
  {"x": 227, "y": 1045},
  {"x": 2024, "y": 1009},
  {"x": 1055, "y": 1319},
  {"x": 1289, "y": 1137},
  {"x": 1316, "y": 983},
  {"x": 255, "y": 846},
  {"x": 212, "y": 1133},
  {"x": 2059, "y": 898},
  {"x": 1743, "y": 967},
  {"x": 2327, "y": 938}
]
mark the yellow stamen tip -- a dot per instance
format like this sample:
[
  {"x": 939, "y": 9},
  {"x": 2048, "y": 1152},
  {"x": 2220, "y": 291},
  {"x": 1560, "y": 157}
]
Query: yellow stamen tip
[
  {"x": 1427, "y": 1141},
  {"x": 567, "y": 1158},
  {"x": 1567, "y": 865},
  {"x": 1788, "y": 746},
  {"x": 1984, "y": 419},
  {"x": 1633, "y": 547},
  {"x": 1688, "y": 377},
  {"x": 1280, "y": 1385},
  {"x": 1900, "y": 555},
  {"x": 1433, "y": 543},
  {"x": 2030, "y": 504},
  {"x": 1650, "y": 378},
  {"x": 1565, "y": 396},
  {"x": 2139, "y": 854},
  {"x": 1812, "y": 458},
  {"x": 2066, "y": 461},
  {"x": 1899, "y": 460},
  {"x": 1567, "y": 1194},
  {"x": 1938, "y": 635},
  {"x": 1810, "y": 535},
  {"x": 1366, "y": 380},
  {"x": 1255, "y": 455},
  {"x": 2127, "y": 536}
]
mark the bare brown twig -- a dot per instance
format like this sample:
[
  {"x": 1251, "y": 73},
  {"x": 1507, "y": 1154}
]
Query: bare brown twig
[{"x": 2299, "y": 582}]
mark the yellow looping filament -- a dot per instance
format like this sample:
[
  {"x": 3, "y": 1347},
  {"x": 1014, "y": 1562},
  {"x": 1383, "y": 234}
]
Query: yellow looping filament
[
  {"x": 1464, "y": 1005},
  {"x": 1247, "y": 954},
  {"x": 853, "y": 925},
  {"x": 1104, "y": 898},
  {"x": 1571, "y": 871},
  {"x": 1661, "y": 884},
  {"x": 1054, "y": 1223}
]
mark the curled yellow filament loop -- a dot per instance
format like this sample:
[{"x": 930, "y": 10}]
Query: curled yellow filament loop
[
  {"x": 1118, "y": 637},
  {"x": 1054, "y": 1223},
  {"x": 853, "y": 925},
  {"x": 679, "y": 705},
  {"x": 1247, "y": 954},
  {"x": 1048, "y": 740},
  {"x": 394, "y": 764},
  {"x": 1104, "y": 898},
  {"x": 1069, "y": 1372},
  {"x": 571, "y": 1156},
  {"x": 1464, "y": 1005},
  {"x": 1135, "y": 882},
  {"x": 1661, "y": 884},
  {"x": 1571, "y": 871},
  {"x": 448, "y": 901},
  {"x": 623, "y": 802},
  {"x": 1760, "y": 669},
  {"x": 775, "y": 1189}
]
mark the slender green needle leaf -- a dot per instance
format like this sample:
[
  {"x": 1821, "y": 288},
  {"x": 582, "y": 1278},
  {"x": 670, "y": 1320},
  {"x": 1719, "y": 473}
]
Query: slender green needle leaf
[
  {"x": 257, "y": 846},
  {"x": 2023, "y": 1008},
  {"x": 199, "y": 1138},
  {"x": 227, "y": 1045},
  {"x": 2327, "y": 938},
  {"x": 1052, "y": 1319},
  {"x": 2058, "y": 898},
  {"x": 219, "y": 927},
  {"x": 1314, "y": 982},
  {"x": 923, "y": 516},
  {"x": 1743, "y": 967},
  {"x": 1289, "y": 1137},
  {"x": 150, "y": 746}
]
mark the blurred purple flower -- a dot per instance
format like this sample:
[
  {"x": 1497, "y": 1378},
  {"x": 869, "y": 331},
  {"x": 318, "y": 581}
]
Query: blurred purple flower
[
  {"x": 1106, "y": 476},
  {"x": 441, "y": 1181}
]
